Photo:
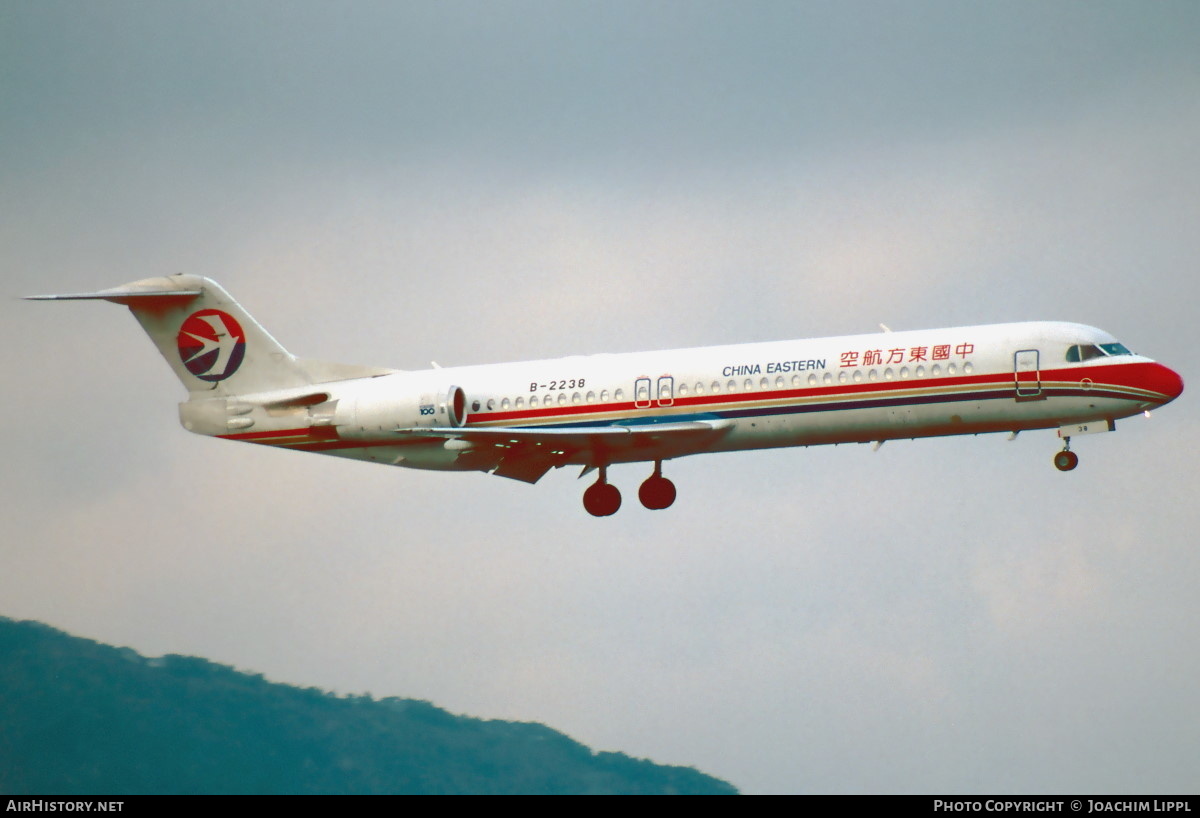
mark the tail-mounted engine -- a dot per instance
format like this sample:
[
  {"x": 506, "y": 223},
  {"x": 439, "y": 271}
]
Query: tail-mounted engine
[
  {"x": 367, "y": 409},
  {"x": 387, "y": 407},
  {"x": 446, "y": 409}
]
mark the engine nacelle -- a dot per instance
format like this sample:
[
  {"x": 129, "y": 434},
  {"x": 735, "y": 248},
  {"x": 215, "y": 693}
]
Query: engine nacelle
[
  {"x": 454, "y": 401},
  {"x": 378, "y": 411}
]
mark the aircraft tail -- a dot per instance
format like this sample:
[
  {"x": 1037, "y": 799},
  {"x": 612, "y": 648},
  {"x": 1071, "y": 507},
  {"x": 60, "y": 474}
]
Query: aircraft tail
[{"x": 210, "y": 342}]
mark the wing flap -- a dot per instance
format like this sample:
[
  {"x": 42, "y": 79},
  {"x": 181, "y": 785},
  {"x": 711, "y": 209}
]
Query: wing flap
[{"x": 525, "y": 469}]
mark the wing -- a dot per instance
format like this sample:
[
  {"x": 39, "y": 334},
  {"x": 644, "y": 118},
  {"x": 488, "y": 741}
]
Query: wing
[{"x": 527, "y": 453}]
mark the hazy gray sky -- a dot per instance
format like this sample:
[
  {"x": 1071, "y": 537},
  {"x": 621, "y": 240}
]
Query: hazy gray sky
[{"x": 470, "y": 182}]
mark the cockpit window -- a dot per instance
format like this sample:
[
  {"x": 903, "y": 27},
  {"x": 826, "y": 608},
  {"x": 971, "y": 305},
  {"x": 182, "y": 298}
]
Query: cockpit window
[{"x": 1086, "y": 352}]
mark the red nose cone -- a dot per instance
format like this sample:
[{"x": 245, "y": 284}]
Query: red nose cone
[{"x": 1166, "y": 381}]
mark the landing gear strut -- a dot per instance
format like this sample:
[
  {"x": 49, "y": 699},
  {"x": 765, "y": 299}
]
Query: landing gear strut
[
  {"x": 657, "y": 491},
  {"x": 1066, "y": 459},
  {"x": 602, "y": 499}
]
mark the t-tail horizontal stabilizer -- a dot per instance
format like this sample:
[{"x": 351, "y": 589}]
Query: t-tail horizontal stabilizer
[{"x": 129, "y": 295}]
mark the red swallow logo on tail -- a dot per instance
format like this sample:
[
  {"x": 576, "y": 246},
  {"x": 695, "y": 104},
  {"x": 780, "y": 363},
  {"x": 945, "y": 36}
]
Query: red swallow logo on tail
[{"x": 211, "y": 345}]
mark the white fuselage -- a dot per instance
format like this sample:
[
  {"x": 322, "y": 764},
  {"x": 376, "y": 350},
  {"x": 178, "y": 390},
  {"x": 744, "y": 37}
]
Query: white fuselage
[
  {"x": 521, "y": 420},
  {"x": 961, "y": 380}
]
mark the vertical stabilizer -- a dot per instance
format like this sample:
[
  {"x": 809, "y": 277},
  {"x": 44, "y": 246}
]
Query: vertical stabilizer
[{"x": 210, "y": 342}]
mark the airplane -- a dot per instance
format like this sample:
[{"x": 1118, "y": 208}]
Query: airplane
[{"x": 520, "y": 420}]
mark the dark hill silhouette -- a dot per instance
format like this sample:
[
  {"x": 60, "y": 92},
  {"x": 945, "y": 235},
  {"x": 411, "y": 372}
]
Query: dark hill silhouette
[{"x": 80, "y": 717}]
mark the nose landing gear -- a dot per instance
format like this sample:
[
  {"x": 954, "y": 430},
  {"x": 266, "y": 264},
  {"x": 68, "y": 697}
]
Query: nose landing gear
[{"x": 1066, "y": 459}]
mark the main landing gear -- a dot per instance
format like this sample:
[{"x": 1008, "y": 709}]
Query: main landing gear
[
  {"x": 602, "y": 498},
  {"x": 1066, "y": 459},
  {"x": 657, "y": 491}
]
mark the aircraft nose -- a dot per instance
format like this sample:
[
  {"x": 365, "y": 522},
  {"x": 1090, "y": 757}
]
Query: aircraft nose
[{"x": 1166, "y": 381}]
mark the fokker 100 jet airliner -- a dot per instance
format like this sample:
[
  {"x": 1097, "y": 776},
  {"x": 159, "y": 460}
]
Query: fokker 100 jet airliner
[{"x": 520, "y": 420}]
